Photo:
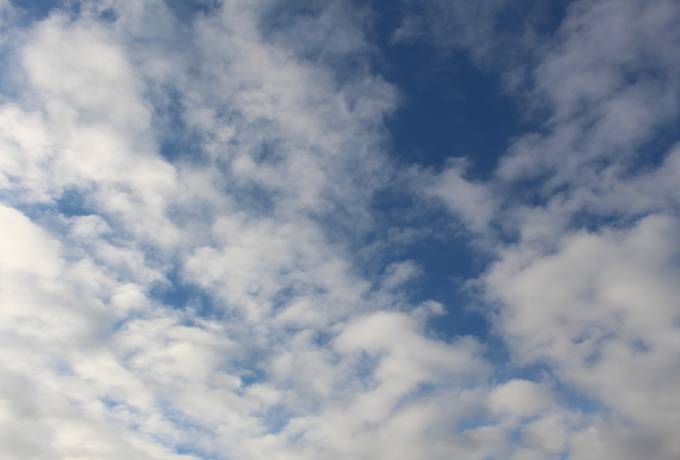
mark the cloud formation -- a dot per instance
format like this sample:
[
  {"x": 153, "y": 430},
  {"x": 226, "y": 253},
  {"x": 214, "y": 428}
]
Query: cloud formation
[{"x": 190, "y": 267}]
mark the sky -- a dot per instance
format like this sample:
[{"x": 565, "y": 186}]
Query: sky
[{"x": 339, "y": 230}]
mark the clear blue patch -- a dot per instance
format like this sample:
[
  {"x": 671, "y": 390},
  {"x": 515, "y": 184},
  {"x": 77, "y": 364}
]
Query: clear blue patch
[
  {"x": 443, "y": 253},
  {"x": 450, "y": 107},
  {"x": 73, "y": 202}
]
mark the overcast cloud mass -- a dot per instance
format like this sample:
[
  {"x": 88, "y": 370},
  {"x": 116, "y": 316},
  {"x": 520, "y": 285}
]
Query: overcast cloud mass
[{"x": 339, "y": 230}]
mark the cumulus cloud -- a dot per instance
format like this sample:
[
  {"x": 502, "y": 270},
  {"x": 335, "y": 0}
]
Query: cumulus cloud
[
  {"x": 585, "y": 258},
  {"x": 609, "y": 80},
  {"x": 274, "y": 356},
  {"x": 187, "y": 195},
  {"x": 609, "y": 327}
]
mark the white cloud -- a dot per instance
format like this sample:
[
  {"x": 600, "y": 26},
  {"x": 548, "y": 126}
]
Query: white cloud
[
  {"x": 583, "y": 283},
  {"x": 398, "y": 274},
  {"x": 521, "y": 398},
  {"x": 114, "y": 373},
  {"x": 602, "y": 311},
  {"x": 55, "y": 372},
  {"x": 608, "y": 81},
  {"x": 275, "y": 342},
  {"x": 85, "y": 126},
  {"x": 473, "y": 203}
]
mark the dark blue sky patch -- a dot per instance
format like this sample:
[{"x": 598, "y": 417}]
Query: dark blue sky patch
[
  {"x": 447, "y": 265},
  {"x": 442, "y": 251},
  {"x": 452, "y": 104},
  {"x": 450, "y": 108}
]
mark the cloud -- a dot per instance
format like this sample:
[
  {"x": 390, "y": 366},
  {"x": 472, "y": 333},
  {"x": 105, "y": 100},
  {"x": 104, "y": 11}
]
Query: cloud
[
  {"x": 474, "y": 203},
  {"x": 608, "y": 82},
  {"x": 273, "y": 343},
  {"x": 596, "y": 322},
  {"x": 582, "y": 282},
  {"x": 188, "y": 198},
  {"x": 521, "y": 398}
]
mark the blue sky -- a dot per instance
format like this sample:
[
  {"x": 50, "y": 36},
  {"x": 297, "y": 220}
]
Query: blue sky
[{"x": 415, "y": 229}]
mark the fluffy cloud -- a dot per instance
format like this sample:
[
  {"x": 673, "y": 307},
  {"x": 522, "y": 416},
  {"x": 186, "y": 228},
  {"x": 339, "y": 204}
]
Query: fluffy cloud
[
  {"x": 187, "y": 196},
  {"x": 610, "y": 328},
  {"x": 609, "y": 80},
  {"x": 586, "y": 255},
  {"x": 279, "y": 337}
]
